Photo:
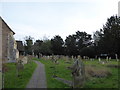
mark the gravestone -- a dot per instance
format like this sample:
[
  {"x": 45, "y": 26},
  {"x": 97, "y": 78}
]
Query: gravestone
[
  {"x": 102, "y": 62},
  {"x": 83, "y": 57},
  {"x": 40, "y": 55},
  {"x": 107, "y": 58},
  {"x": 79, "y": 57},
  {"x": 72, "y": 57},
  {"x": 56, "y": 59},
  {"x": 36, "y": 56},
  {"x": 99, "y": 59},
  {"x": 116, "y": 57},
  {"x": 20, "y": 67},
  {"x": 91, "y": 59},
  {"x": 25, "y": 60},
  {"x": 78, "y": 73},
  {"x": 52, "y": 58}
]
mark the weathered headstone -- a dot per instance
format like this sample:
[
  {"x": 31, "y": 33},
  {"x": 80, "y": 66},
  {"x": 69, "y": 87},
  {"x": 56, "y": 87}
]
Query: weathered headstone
[
  {"x": 107, "y": 58},
  {"x": 33, "y": 53},
  {"x": 40, "y": 55},
  {"x": 102, "y": 62},
  {"x": 79, "y": 57},
  {"x": 20, "y": 67},
  {"x": 78, "y": 73},
  {"x": 99, "y": 59},
  {"x": 36, "y": 56},
  {"x": 25, "y": 60},
  {"x": 83, "y": 57},
  {"x": 72, "y": 57},
  {"x": 92, "y": 59},
  {"x": 116, "y": 57}
]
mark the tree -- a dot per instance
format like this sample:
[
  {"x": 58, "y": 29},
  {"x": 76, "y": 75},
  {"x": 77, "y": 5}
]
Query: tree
[
  {"x": 36, "y": 47},
  {"x": 74, "y": 43},
  {"x": 45, "y": 47},
  {"x": 57, "y": 45},
  {"x": 110, "y": 38},
  {"x": 82, "y": 40},
  {"x": 70, "y": 44},
  {"x": 96, "y": 37},
  {"x": 28, "y": 45},
  {"x": 88, "y": 51}
]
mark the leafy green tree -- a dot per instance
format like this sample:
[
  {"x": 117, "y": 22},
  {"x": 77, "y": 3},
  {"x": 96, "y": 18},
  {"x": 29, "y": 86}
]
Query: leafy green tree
[
  {"x": 88, "y": 51},
  {"x": 57, "y": 45},
  {"x": 96, "y": 37},
  {"x": 110, "y": 36},
  {"x": 70, "y": 44},
  {"x": 28, "y": 45},
  {"x": 74, "y": 43},
  {"x": 37, "y": 46},
  {"x": 45, "y": 47},
  {"x": 82, "y": 40}
]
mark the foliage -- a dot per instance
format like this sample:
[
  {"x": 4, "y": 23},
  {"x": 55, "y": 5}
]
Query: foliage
[
  {"x": 70, "y": 44},
  {"x": 57, "y": 45},
  {"x": 28, "y": 45},
  {"x": 37, "y": 47},
  {"x": 74, "y": 43},
  {"x": 109, "y": 37},
  {"x": 88, "y": 51},
  {"x": 46, "y": 48}
]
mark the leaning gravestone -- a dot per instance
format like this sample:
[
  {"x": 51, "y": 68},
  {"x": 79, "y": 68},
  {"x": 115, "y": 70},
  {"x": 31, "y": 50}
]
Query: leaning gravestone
[{"x": 78, "y": 73}]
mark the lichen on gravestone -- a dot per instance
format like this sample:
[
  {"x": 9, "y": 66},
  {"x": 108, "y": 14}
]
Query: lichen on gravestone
[
  {"x": 20, "y": 67},
  {"x": 78, "y": 73}
]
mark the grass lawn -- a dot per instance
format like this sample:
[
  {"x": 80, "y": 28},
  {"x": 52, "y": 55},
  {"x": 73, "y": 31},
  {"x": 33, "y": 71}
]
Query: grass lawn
[
  {"x": 10, "y": 77},
  {"x": 0, "y": 80},
  {"x": 61, "y": 71},
  {"x": 106, "y": 82}
]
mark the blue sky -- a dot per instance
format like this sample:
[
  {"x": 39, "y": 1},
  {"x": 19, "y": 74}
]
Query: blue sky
[{"x": 39, "y": 18}]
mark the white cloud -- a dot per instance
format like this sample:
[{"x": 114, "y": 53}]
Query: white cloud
[{"x": 53, "y": 20}]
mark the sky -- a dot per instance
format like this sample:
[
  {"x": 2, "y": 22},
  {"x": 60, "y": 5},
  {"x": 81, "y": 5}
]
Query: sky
[{"x": 47, "y": 18}]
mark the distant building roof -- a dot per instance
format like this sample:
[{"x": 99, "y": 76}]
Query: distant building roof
[
  {"x": 6, "y": 25},
  {"x": 20, "y": 46}
]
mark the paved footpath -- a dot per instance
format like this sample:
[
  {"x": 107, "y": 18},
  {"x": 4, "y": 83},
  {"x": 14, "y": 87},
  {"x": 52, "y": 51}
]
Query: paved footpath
[{"x": 38, "y": 79}]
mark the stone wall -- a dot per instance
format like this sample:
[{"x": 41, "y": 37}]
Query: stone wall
[
  {"x": 8, "y": 51},
  {"x": 0, "y": 53},
  {"x": 0, "y": 43}
]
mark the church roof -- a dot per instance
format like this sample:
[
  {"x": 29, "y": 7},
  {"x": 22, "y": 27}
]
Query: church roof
[{"x": 7, "y": 25}]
